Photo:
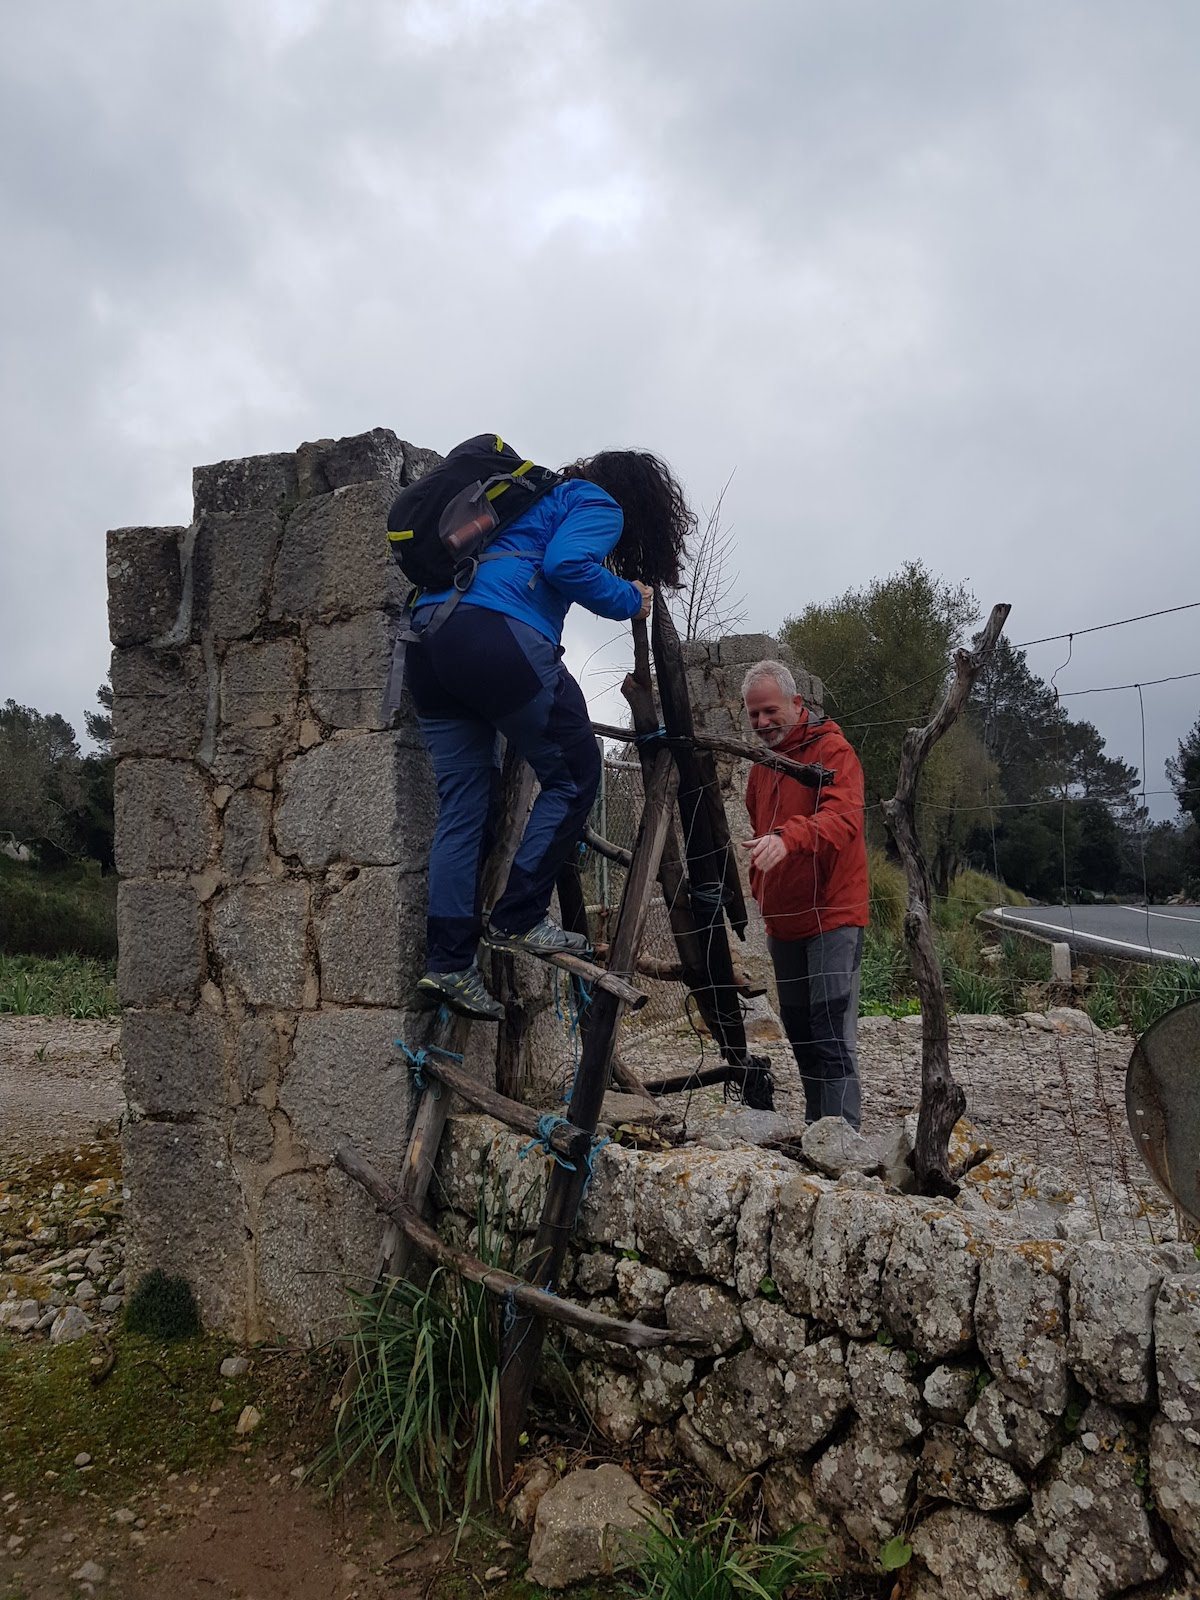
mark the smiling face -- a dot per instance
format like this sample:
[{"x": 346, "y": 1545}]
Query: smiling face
[{"x": 772, "y": 713}]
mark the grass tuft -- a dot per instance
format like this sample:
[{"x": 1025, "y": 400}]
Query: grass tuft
[
  {"x": 80, "y": 987},
  {"x": 162, "y": 1308},
  {"x": 717, "y": 1561}
]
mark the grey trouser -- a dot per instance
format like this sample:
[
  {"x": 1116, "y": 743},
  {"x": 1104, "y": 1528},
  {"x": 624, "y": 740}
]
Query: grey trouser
[{"x": 818, "y": 982}]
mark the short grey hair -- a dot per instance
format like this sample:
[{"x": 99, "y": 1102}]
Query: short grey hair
[{"x": 769, "y": 669}]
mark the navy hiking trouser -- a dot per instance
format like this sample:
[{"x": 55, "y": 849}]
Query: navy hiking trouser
[
  {"x": 818, "y": 981},
  {"x": 483, "y": 674}
]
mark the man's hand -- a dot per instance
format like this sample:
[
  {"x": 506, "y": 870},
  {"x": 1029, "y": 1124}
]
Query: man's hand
[
  {"x": 647, "y": 594},
  {"x": 766, "y": 852}
]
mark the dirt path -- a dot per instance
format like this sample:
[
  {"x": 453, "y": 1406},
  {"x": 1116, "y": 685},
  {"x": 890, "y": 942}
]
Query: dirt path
[{"x": 59, "y": 1082}]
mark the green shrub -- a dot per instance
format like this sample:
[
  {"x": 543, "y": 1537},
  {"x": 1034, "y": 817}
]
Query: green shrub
[
  {"x": 1156, "y": 990},
  {"x": 972, "y": 892},
  {"x": 716, "y": 1561},
  {"x": 58, "y": 986},
  {"x": 975, "y": 994},
  {"x": 889, "y": 895},
  {"x": 162, "y": 1308},
  {"x": 69, "y": 910},
  {"x": 885, "y": 972}
]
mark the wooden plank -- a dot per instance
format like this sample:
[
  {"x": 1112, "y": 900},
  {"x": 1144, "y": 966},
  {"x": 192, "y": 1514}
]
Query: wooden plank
[
  {"x": 680, "y": 1082},
  {"x": 565, "y": 1138},
  {"x": 636, "y": 1335},
  {"x": 604, "y": 847},
  {"x": 942, "y": 1099},
  {"x": 521, "y": 1348}
]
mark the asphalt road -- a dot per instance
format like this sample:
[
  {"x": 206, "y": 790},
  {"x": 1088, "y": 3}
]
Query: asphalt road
[{"x": 1157, "y": 933}]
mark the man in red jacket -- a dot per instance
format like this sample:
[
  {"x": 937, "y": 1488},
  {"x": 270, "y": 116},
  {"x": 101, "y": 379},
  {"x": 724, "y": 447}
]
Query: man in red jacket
[{"x": 808, "y": 872}]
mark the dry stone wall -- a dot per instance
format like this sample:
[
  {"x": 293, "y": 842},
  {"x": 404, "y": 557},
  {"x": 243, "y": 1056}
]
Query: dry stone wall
[
  {"x": 272, "y": 835},
  {"x": 1026, "y": 1411}
]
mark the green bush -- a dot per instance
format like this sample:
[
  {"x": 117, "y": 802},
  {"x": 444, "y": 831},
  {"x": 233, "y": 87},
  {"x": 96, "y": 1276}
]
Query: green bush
[
  {"x": 885, "y": 972},
  {"x": 972, "y": 892},
  {"x": 51, "y": 912},
  {"x": 718, "y": 1561},
  {"x": 162, "y": 1308}
]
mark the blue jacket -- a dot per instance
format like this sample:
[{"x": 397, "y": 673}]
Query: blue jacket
[{"x": 569, "y": 531}]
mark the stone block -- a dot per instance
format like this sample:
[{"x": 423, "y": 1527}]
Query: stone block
[
  {"x": 346, "y": 1083},
  {"x": 160, "y": 944},
  {"x": 334, "y": 558},
  {"x": 1087, "y": 1533},
  {"x": 954, "y": 1467},
  {"x": 1177, "y": 1353},
  {"x": 260, "y": 933},
  {"x": 253, "y": 1137},
  {"x": 612, "y": 1399},
  {"x": 479, "y": 1155},
  {"x": 348, "y": 665},
  {"x": 165, "y": 821},
  {"x": 367, "y": 799},
  {"x": 261, "y": 1046},
  {"x": 664, "y": 1380},
  {"x": 252, "y": 483},
  {"x": 246, "y": 834},
  {"x": 231, "y": 567},
  {"x": 993, "y": 1570},
  {"x": 930, "y": 1278},
  {"x": 1021, "y": 1321},
  {"x": 596, "y": 1272},
  {"x": 789, "y": 1502},
  {"x": 704, "y": 1311},
  {"x": 316, "y": 1233},
  {"x": 609, "y": 1213},
  {"x": 590, "y": 1524},
  {"x": 867, "y": 1483},
  {"x": 884, "y": 1393},
  {"x": 851, "y": 1236},
  {"x": 791, "y": 1240},
  {"x": 417, "y": 462},
  {"x": 260, "y": 688},
  {"x": 1175, "y": 1483},
  {"x": 756, "y": 1221},
  {"x": 1011, "y": 1430},
  {"x": 1110, "y": 1341},
  {"x": 779, "y": 1335},
  {"x": 185, "y": 1214},
  {"x": 145, "y": 583},
  {"x": 174, "y": 1064},
  {"x": 754, "y": 1409},
  {"x": 687, "y": 1206},
  {"x": 327, "y": 464},
  {"x": 371, "y": 937},
  {"x": 949, "y": 1392},
  {"x": 641, "y": 1290},
  {"x": 160, "y": 702}
]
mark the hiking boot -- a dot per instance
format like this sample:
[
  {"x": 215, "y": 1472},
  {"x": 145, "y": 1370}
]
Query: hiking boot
[
  {"x": 464, "y": 992},
  {"x": 755, "y": 1089},
  {"x": 543, "y": 939}
]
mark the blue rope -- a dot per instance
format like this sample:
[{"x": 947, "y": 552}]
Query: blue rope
[
  {"x": 648, "y": 738},
  {"x": 546, "y": 1124},
  {"x": 416, "y": 1062},
  {"x": 596, "y": 1147}
]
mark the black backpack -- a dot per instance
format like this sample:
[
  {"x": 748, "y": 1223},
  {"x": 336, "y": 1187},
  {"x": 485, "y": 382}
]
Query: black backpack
[{"x": 439, "y": 528}]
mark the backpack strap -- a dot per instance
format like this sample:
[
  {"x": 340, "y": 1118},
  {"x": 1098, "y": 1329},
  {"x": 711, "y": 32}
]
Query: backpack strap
[{"x": 463, "y": 579}]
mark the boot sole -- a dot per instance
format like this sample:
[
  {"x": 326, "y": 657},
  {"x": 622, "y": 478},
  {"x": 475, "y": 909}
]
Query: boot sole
[
  {"x": 514, "y": 942},
  {"x": 429, "y": 999}
]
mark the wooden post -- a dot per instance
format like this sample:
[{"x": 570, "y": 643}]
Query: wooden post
[
  {"x": 522, "y": 1343},
  {"x": 942, "y": 1099}
]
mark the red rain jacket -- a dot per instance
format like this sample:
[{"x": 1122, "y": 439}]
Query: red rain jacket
[{"x": 822, "y": 882}]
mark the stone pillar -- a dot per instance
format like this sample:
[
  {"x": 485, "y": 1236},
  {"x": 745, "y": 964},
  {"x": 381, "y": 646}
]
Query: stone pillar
[
  {"x": 715, "y": 669},
  {"x": 272, "y": 834}
]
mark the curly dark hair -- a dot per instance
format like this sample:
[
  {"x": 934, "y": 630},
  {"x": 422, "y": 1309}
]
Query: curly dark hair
[{"x": 658, "y": 520}]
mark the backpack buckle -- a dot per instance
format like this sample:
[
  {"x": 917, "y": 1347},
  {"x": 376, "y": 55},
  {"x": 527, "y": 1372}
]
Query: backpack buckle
[{"x": 464, "y": 573}]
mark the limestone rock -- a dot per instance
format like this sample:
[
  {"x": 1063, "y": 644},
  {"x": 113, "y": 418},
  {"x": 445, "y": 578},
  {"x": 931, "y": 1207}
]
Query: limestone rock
[
  {"x": 1177, "y": 1353},
  {"x": 832, "y": 1146},
  {"x": 327, "y": 464},
  {"x": 174, "y": 1063},
  {"x": 164, "y": 820},
  {"x": 333, "y": 560},
  {"x": 707, "y": 1311},
  {"x": 1175, "y": 1482},
  {"x": 954, "y": 1467},
  {"x": 612, "y": 1398},
  {"x": 949, "y": 1392},
  {"x": 688, "y": 1202},
  {"x": 347, "y": 1082},
  {"x": 71, "y": 1323},
  {"x": 159, "y": 941},
  {"x": 260, "y": 932},
  {"x": 1011, "y": 1430},
  {"x": 590, "y": 1524},
  {"x": 596, "y": 1273},
  {"x": 755, "y": 1409},
  {"x": 366, "y": 798},
  {"x": 664, "y": 1379},
  {"x": 930, "y": 1279},
  {"x": 641, "y": 1289},
  {"x": 348, "y": 666},
  {"x": 778, "y": 1334},
  {"x": 251, "y": 483},
  {"x": 851, "y": 1236},
  {"x": 1087, "y": 1534},
  {"x": 714, "y": 1464},
  {"x": 791, "y": 1240},
  {"x": 971, "y": 1556},
  {"x": 246, "y": 834},
  {"x": 867, "y": 1483},
  {"x": 145, "y": 583},
  {"x": 883, "y": 1393},
  {"x": 160, "y": 702},
  {"x": 371, "y": 937},
  {"x": 231, "y": 565},
  {"x": 789, "y": 1502},
  {"x": 1111, "y": 1316},
  {"x": 1021, "y": 1321},
  {"x": 324, "y": 1233},
  {"x": 260, "y": 686},
  {"x": 757, "y": 1219}
]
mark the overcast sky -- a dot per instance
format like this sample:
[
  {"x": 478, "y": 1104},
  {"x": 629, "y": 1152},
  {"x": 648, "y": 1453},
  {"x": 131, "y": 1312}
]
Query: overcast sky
[{"x": 924, "y": 276}]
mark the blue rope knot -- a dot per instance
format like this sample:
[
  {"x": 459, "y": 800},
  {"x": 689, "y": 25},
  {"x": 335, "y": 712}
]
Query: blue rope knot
[
  {"x": 417, "y": 1060},
  {"x": 546, "y": 1124},
  {"x": 649, "y": 738}
]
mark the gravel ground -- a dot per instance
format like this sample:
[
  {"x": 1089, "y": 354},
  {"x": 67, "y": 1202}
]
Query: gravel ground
[{"x": 60, "y": 1081}]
